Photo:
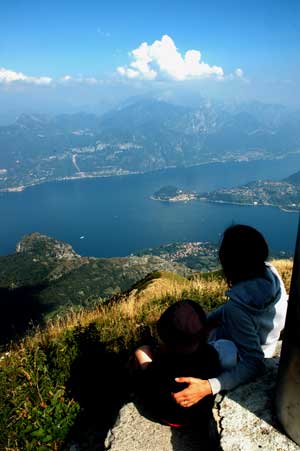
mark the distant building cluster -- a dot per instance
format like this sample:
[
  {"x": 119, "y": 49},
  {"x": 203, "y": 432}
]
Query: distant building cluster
[{"x": 179, "y": 251}]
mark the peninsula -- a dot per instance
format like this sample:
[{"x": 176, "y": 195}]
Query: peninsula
[
  {"x": 284, "y": 194},
  {"x": 173, "y": 194}
]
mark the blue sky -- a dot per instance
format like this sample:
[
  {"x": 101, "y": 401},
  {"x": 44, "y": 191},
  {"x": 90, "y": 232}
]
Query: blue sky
[{"x": 78, "y": 47}]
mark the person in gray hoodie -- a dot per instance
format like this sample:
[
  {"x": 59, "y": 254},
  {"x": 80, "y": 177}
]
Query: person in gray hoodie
[{"x": 247, "y": 327}]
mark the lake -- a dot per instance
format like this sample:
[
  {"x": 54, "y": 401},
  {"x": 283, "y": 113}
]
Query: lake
[{"x": 115, "y": 216}]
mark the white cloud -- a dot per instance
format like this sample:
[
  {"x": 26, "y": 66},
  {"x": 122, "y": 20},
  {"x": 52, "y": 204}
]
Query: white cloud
[
  {"x": 66, "y": 78},
  {"x": 162, "y": 59},
  {"x": 239, "y": 73},
  {"x": 80, "y": 79},
  {"x": 9, "y": 76}
]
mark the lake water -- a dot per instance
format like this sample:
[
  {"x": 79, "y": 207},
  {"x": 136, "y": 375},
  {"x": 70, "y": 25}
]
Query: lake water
[{"x": 117, "y": 217}]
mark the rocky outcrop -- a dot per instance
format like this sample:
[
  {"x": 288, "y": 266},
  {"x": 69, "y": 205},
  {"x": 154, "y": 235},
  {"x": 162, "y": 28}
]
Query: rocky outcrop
[
  {"x": 247, "y": 416},
  {"x": 245, "y": 419},
  {"x": 45, "y": 246},
  {"x": 135, "y": 432}
]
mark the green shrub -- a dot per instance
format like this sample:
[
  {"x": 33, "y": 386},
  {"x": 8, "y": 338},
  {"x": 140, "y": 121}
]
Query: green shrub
[{"x": 37, "y": 412}]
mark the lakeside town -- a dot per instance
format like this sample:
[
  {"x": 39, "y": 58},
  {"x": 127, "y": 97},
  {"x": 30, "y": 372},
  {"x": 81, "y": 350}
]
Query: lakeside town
[{"x": 198, "y": 255}]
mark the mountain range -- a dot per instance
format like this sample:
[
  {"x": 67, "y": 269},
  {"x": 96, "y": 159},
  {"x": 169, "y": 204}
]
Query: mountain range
[{"x": 142, "y": 135}]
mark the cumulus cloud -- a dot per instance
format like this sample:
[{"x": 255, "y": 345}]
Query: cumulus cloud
[
  {"x": 239, "y": 73},
  {"x": 9, "y": 76},
  {"x": 162, "y": 59}
]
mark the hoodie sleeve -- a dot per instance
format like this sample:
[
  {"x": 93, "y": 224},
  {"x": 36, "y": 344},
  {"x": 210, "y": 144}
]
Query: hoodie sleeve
[
  {"x": 215, "y": 315},
  {"x": 251, "y": 357}
]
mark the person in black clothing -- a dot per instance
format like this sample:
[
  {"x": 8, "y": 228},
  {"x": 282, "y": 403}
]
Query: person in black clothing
[{"x": 183, "y": 349}]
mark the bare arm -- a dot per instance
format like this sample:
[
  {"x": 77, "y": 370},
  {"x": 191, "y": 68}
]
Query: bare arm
[{"x": 143, "y": 356}]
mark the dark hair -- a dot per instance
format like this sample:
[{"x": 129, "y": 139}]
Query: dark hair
[
  {"x": 182, "y": 327},
  {"x": 243, "y": 253}
]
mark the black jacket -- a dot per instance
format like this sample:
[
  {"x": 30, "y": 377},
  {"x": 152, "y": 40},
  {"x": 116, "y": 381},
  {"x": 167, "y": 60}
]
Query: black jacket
[{"x": 155, "y": 385}]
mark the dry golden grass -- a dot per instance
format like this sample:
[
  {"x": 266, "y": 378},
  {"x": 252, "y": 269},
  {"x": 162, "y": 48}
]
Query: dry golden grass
[
  {"x": 284, "y": 267},
  {"x": 143, "y": 306}
]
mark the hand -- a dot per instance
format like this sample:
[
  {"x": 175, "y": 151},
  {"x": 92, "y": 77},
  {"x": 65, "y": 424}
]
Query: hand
[{"x": 197, "y": 390}]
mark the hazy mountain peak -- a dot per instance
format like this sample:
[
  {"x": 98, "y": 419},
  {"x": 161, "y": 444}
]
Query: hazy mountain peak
[
  {"x": 31, "y": 120},
  {"x": 294, "y": 179}
]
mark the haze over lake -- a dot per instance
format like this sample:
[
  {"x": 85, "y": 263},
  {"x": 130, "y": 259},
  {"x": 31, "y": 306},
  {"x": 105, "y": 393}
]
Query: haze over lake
[{"x": 115, "y": 216}]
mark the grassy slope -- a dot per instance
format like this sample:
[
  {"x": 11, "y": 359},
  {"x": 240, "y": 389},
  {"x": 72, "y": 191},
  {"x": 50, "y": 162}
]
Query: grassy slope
[
  {"x": 56, "y": 381},
  {"x": 45, "y": 276}
]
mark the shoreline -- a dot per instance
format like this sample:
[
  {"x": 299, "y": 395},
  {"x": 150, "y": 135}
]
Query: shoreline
[
  {"x": 120, "y": 172},
  {"x": 86, "y": 175},
  {"x": 21, "y": 188},
  {"x": 240, "y": 204},
  {"x": 172, "y": 199}
]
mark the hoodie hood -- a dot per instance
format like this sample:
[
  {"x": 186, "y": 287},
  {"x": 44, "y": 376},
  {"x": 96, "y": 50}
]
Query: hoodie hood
[{"x": 257, "y": 294}]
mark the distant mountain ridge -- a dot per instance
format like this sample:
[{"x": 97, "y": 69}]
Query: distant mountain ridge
[
  {"x": 140, "y": 136},
  {"x": 294, "y": 179}
]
